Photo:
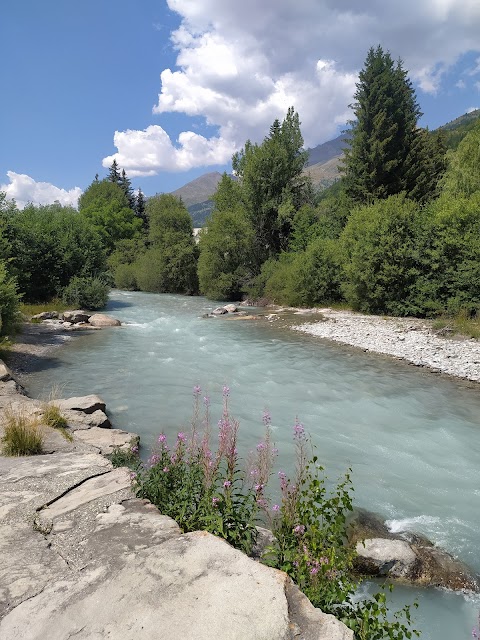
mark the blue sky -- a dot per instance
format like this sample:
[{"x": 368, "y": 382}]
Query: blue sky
[{"x": 171, "y": 88}]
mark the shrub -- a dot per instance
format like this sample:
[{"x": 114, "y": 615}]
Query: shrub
[
  {"x": 201, "y": 489},
  {"x": 9, "y": 301},
  {"x": 86, "y": 293},
  {"x": 22, "y": 435},
  {"x": 205, "y": 489},
  {"x": 125, "y": 457}
]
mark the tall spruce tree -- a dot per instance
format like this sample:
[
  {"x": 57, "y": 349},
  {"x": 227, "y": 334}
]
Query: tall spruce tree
[
  {"x": 114, "y": 173},
  {"x": 383, "y": 157},
  {"x": 140, "y": 210},
  {"x": 126, "y": 185}
]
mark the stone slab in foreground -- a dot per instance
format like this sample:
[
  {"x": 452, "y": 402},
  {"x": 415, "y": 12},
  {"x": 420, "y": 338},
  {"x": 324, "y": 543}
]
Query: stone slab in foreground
[{"x": 190, "y": 586}]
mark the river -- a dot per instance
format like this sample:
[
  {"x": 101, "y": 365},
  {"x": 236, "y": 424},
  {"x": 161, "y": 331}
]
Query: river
[{"x": 410, "y": 437}]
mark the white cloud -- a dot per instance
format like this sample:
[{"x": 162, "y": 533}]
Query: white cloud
[
  {"x": 24, "y": 189},
  {"x": 470, "y": 109},
  {"x": 240, "y": 65},
  {"x": 144, "y": 153}
]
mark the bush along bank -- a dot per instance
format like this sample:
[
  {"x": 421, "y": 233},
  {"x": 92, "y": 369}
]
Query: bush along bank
[{"x": 203, "y": 486}]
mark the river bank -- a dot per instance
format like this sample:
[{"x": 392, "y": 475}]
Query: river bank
[{"x": 409, "y": 339}]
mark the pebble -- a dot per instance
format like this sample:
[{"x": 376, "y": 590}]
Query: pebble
[{"x": 405, "y": 338}]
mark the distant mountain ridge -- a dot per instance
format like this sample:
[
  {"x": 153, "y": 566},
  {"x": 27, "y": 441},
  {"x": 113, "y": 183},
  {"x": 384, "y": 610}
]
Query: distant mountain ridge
[{"x": 322, "y": 166}]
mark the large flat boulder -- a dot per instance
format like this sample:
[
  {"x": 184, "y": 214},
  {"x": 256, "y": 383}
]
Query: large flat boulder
[
  {"x": 192, "y": 586},
  {"x": 106, "y": 440},
  {"x": 79, "y": 420},
  {"x": 87, "y": 404}
]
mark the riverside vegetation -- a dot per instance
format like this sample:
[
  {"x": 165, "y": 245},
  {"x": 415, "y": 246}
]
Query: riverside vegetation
[
  {"x": 399, "y": 233},
  {"x": 203, "y": 486}
]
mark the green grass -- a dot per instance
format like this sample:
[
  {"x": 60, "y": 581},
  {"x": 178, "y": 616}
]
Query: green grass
[
  {"x": 32, "y": 309},
  {"x": 462, "y": 325},
  {"x": 22, "y": 436},
  {"x": 53, "y": 418}
]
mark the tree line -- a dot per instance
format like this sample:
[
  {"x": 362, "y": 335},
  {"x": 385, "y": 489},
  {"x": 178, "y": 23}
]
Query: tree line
[{"x": 399, "y": 233}]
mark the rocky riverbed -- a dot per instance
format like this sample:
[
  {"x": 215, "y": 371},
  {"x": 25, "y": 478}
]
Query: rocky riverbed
[{"x": 408, "y": 339}]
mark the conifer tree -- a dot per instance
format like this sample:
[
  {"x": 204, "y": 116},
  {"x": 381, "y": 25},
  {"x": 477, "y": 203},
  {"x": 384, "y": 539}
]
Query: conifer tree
[
  {"x": 382, "y": 158},
  {"x": 126, "y": 185},
  {"x": 140, "y": 211},
  {"x": 114, "y": 173}
]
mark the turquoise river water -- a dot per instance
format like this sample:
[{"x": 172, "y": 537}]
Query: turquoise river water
[{"x": 411, "y": 438}]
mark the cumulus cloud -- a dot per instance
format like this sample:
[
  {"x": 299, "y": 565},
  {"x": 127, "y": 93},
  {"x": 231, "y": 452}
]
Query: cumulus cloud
[
  {"x": 240, "y": 65},
  {"x": 24, "y": 189}
]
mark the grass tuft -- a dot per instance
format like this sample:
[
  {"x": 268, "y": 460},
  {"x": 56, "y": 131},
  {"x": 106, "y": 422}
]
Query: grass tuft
[
  {"x": 22, "y": 436},
  {"x": 32, "y": 309},
  {"x": 463, "y": 324}
]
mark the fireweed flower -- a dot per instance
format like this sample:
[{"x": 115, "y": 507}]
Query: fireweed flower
[
  {"x": 206, "y": 401},
  {"x": 226, "y": 391},
  {"x": 165, "y": 469},
  {"x": 261, "y": 446},
  {"x": 134, "y": 449},
  {"x": 299, "y": 529},
  {"x": 154, "y": 460},
  {"x": 313, "y": 571},
  {"x": 276, "y": 507},
  {"x": 298, "y": 429},
  {"x": 266, "y": 418},
  {"x": 196, "y": 390},
  {"x": 258, "y": 487},
  {"x": 215, "y": 501},
  {"x": 227, "y": 484},
  {"x": 181, "y": 436},
  {"x": 162, "y": 438}
]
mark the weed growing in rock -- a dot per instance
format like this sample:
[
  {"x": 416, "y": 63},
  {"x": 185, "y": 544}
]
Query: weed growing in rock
[
  {"x": 22, "y": 434},
  {"x": 125, "y": 457},
  {"x": 202, "y": 488},
  {"x": 52, "y": 416}
]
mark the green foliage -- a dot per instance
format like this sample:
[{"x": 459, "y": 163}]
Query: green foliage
[
  {"x": 463, "y": 174},
  {"x": 86, "y": 293},
  {"x": 169, "y": 265},
  {"x": 140, "y": 211},
  {"x": 205, "y": 489},
  {"x": 105, "y": 205},
  {"x": 225, "y": 263},
  {"x": 310, "y": 529},
  {"x": 272, "y": 185},
  {"x": 304, "y": 278},
  {"x": 450, "y": 280},
  {"x": 125, "y": 457},
  {"x": 381, "y": 260},
  {"x": 455, "y": 131},
  {"x": 48, "y": 246},
  {"x": 201, "y": 489},
  {"x": 122, "y": 262},
  {"x": 387, "y": 154},
  {"x": 167, "y": 270},
  {"x": 52, "y": 416},
  {"x": 22, "y": 435},
  {"x": 9, "y": 301}
]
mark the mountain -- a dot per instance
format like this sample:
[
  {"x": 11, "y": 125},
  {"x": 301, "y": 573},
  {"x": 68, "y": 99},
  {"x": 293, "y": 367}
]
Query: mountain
[
  {"x": 457, "y": 129},
  {"x": 322, "y": 166},
  {"x": 199, "y": 190},
  {"x": 326, "y": 151}
]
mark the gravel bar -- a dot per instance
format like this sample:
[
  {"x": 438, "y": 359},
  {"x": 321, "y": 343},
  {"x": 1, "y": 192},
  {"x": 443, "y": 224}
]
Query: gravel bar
[{"x": 409, "y": 339}]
